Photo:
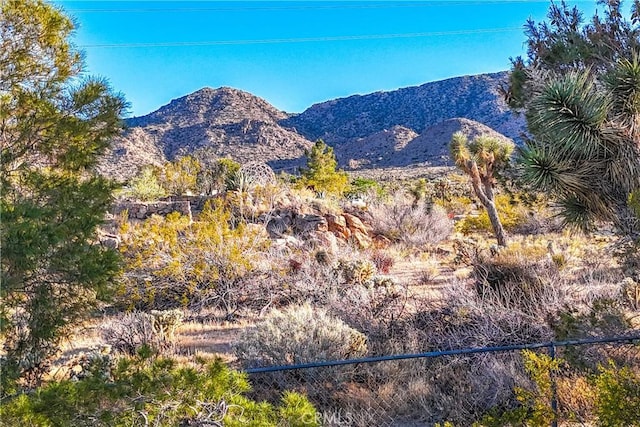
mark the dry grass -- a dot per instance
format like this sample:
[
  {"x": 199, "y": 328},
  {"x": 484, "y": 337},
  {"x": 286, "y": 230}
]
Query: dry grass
[{"x": 427, "y": 301}]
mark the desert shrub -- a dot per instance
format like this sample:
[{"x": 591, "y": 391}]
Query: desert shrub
[
  {"x": 383, "y": 261},
  {"x": 519, "y": 277},
  {"x": 180, "y": 176},
  {"x": 152, "y": 391},
  {"x": 412, "y": 225},
  {"x": 302, "y": 334},
  {"x": 576, "y": 396},
  {"x": 129, "y": 332},
  {"x": 145, "y": 186},
  {"x": 253, "y": 202},
  {"x": 240, "y": 181},
  {"x": 377, "y": 308},
  {"x": 456, "y": 205},
  {"x": 356, "y": 272},
  {"x": 299, "y": 334},
  {"x": 601, "y": 316},
  {"x": 362, "y": 187},
  {"x": 513, "y": 215},
  {"x": 627, "y": 251},
  {"x": 618, "y": 396},
  {"x": 462, "y": 389},
  {"x": 533, "y": 407},
  {"x": 611, "y": 398},
  {"x": 216, "y": 174},
  {"x": 171, "y": 262},
  {"x": 459, "y": 389},
  {"x": 631, "y": 293}
]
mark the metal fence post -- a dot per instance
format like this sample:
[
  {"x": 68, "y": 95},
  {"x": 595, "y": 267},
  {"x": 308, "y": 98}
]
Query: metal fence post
[{"x": 554, "y": 388}]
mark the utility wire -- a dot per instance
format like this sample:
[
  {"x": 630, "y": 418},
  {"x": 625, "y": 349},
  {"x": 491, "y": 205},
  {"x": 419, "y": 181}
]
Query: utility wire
[
  {"x": 302, "y": 39},
  {"x": 352, "y": 5}
]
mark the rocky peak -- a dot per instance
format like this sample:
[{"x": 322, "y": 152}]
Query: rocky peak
[
  {"x": 223, "y": 122},
  {"x": 220, "y": 106},
  {"x": 403, "y": 127}
]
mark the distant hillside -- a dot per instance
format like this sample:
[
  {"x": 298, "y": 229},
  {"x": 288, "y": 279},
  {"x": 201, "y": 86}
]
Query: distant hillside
[
  {"x": 417, "y": 108},
  {"x": 384, "y": 129},
  {"x": 399, "y": 146},
  {"x": 224, "y": 122}
]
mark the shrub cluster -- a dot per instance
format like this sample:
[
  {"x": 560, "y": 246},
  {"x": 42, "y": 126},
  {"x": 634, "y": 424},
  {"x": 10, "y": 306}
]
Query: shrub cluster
[
  {"x": 171, "y": 262},
  {"x": 143, "y": 390},
  {"x": 410, "y": 224}
]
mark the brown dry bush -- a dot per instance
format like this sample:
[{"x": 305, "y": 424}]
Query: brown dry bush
[
  {"x": 378, "y": 308},
  {"x": 383, "y": 261},
  {"x": 129, "y": 332},
  {"x": 410, "y": 224}
]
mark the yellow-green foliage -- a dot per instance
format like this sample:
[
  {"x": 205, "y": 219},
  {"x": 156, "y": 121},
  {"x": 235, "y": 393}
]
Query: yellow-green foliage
[
  {"x": 634, "y": 202},
  {"x": 357, "y": 272},
  {"x": 146, "y": 391},
  {"x": 180, "y": 176},
  {"x": 215, "y": 176},
  {"x": 535, "y": 404},
  {"x": 511, "y": 213},
  {"x": 321, "y": 172},
  {"x": 456, "y": 205},
  {"x": 169, "y": 261},
  {"x": 145, "y": 186},
  {"x": 618, "y": 396}
]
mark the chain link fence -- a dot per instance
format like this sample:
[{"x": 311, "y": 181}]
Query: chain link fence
[{"x": 423, "y": 389}]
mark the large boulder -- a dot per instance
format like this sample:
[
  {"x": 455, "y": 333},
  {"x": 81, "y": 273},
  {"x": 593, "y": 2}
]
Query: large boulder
[
  {"x": 355, "y": 224},
  {"x": 304, "y": 224},
  {"x": 362, "y": 239},
  {"x": 337, "y": 224},
  {"x": 326, "y": 240}
]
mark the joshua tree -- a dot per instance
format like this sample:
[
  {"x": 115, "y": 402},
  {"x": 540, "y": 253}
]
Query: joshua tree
[
  {"x": 580, "y": 90},
  {"x": 482, "y": 159}
]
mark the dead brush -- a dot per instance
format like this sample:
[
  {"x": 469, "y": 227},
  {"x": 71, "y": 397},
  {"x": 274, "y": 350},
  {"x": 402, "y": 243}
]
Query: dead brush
[
  {"x": 409, "y": 224},
  {"x": 128, "y": 332},
  {"x": 383, "y": 261},
  {"x": 526, "y": 280}
]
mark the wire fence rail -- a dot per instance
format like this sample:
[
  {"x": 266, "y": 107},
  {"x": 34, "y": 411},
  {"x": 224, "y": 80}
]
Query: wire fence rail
[{"x": 397, "y": 390}]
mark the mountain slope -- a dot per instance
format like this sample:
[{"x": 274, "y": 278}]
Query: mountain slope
[
  {"x": 383, "y": 129},
  {"x": 223, "y": 122},
  {"x": 417, "y": 108},
  {"x": 399, "y": 146}
]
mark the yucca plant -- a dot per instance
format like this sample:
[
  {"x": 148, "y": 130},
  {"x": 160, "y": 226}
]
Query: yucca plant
[
  {"x": 482, "y": 159},
  {"x": 580, "y": 91}
]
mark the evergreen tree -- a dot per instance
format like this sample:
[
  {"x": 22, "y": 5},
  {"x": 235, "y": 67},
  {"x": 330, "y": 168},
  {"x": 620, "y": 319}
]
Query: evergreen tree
[
  {"x": 54, "y": 123},
  {"x": 321, "y": 172},
  {"x": 482, "y": 159},
  {"x": 580, "y": 90}
]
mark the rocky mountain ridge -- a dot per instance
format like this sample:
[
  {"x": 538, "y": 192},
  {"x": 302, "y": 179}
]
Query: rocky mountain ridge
[
  {"x": 416, "y": 107},
  {"x": 383, "y": 129}
]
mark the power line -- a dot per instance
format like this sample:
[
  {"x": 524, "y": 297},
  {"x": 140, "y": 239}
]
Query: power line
[
  {"x": 353, "y": 5},
  {"x": 302, "y": 39}
]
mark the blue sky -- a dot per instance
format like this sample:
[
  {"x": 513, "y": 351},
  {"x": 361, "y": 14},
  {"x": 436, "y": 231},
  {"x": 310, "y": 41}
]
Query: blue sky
[{"x": 295, "y": 53}]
